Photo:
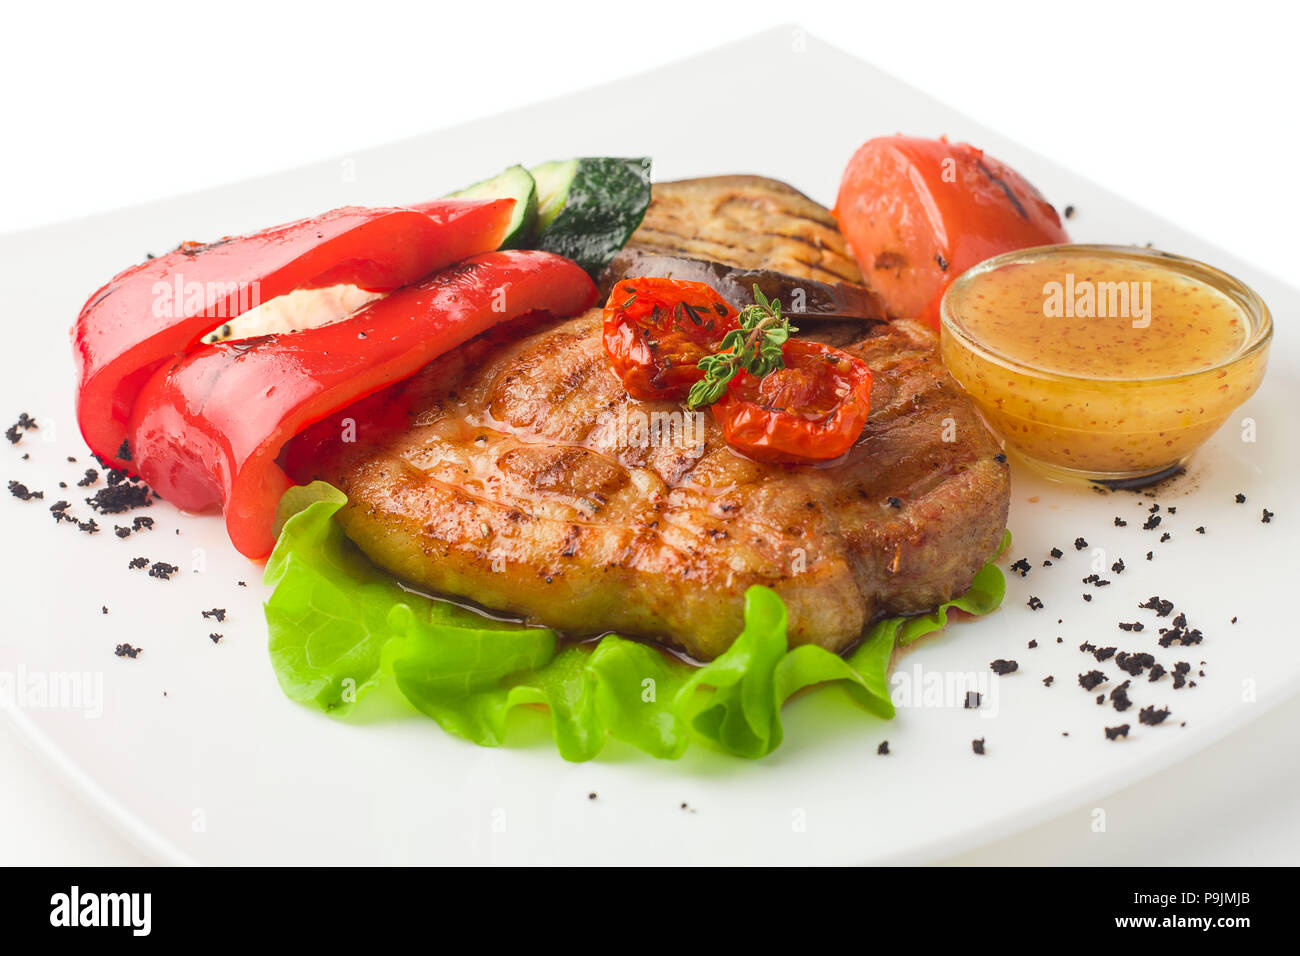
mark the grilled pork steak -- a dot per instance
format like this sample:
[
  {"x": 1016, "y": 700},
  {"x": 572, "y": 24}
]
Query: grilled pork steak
[{"x": 530, "y": 482}]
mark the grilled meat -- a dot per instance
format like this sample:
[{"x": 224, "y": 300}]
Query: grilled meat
[{"x": 528, "y": 482}]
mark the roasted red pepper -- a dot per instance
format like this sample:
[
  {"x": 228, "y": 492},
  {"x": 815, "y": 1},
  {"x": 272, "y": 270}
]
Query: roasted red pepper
[
  {"x": 206, "y": 429},
  {"x": 161, "y": 308},
  {"x": 811, "y": 410},
  {"x": 657, "y": 330}
]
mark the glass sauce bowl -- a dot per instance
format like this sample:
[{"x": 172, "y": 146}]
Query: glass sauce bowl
[{"x": 1115, "y": 397}]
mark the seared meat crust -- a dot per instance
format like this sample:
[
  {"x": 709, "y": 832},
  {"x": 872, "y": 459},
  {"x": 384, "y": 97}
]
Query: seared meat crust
[{"x": 526, "y": 484}]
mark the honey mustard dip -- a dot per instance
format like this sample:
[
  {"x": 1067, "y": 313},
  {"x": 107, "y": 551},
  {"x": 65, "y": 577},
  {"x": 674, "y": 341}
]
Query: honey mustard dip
[{"x": 1103, "y": 362}]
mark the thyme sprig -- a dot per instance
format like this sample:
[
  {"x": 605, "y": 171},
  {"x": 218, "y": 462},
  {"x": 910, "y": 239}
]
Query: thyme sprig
[{"x": 755, "y": 347}]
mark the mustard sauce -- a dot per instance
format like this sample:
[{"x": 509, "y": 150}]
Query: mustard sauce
[{"x": 1103, "y": 362}]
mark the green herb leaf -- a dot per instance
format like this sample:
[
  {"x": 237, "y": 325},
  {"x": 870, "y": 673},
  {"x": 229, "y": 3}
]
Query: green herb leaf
[{"x": 755, "y": 348}]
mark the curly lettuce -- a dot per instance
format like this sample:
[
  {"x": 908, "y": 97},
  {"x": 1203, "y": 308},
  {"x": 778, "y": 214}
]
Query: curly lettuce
[{"x": 341, "y": 629}]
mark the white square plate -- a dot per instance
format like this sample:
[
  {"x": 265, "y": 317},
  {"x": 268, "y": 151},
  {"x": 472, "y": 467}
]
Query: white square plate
[{"x": 197, "y": 754}]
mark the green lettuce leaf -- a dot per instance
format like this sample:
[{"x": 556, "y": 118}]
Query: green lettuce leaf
[{"x": 339, "y": 628}]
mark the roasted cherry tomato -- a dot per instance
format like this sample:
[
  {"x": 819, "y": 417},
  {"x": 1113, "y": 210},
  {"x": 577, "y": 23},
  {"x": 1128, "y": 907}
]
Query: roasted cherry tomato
[
  {"x": 656, "y": 330},
  {"x": 811, "y": 410},
  {"x": 920, "y": 212}
]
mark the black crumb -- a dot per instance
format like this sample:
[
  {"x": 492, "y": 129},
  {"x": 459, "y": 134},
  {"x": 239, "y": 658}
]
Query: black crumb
[
  {"x": 120, "y": 497},
  {"x": 1068, "y": 213},
  {"x": 1113, "y": 733},
  {"x": 104, "y": 608},
  {"x": 1047, "y": 564},
  {"x": 1165, "y": 537},
  {"x": 1267, "y": 516},
  {"x": 126, "y": 650},
  {"x": 1091, "y": 680},
  {"x": 1241, "y": 499},
  {"x": 1033, "y": 603},
  {"x": 1135, "y": 626},
  {"x": 1150, "y": 554},
  {"x": 1157, "y": 671},
  {"x": 1118, "y": 566},
  {"x": 242, "y": 584},
  {"x": 138, "y": 563},
  {"x": 1153, "y": 521},
  {"x": 21, "y": 492},
  {"x": 1157, "y": 604},
  {"x": 883, "y": 749},
  {"x": 1149, "y": 715},
  {"x": 592, "y": 795},
  {"x": 1000, "y": 457},
  {"x": 977, "y": 745},
  {"x": 1134, "y": 664},
  {"x": 894, "y": 502},
  {"x": 1021, "y": 566},
  {"x": 1032, "y": 644},
  {"x": 163, "y": 570},
  {"x": 1234, "y": 620},
  {"x": 218, "y": 612},
  {"x": 215, "y": 638},
  {"x": 89, "y": 478},
  {"x": 1120, "y": 522},
  {"x": 1001, "y": 666},
  {"x": 1200, "y": 529},
  {"x": 1104, "y": 653},
  {"x": 1087, "y": 597},
  {"x": 1119, "y": 697},
  {"x": 1057, "y": 553},
  {"x": 1048, "y": 680},
  {"x": 1080, "y": 544}
]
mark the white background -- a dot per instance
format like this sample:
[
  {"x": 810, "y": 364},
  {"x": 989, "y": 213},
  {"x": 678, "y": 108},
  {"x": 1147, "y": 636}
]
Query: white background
[{"x": 1188, "y": 109}]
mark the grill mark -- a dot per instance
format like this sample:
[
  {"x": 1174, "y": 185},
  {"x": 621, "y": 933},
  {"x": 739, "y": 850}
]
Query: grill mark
[{"x": 997, "y": 180}]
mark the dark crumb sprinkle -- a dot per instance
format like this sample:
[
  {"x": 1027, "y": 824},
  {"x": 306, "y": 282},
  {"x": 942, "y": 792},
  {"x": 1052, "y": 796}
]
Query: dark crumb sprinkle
[
  {"x": 1087, "y": 648},
  {"x": 104, "y": 608},
  {"x": 1080, "y": 544},
  {"x": 121, "y": 532},
  {"x": 1118, "y": 566},
  {"x": 592, "y": 795},
  {"x": 218, "y": 612},
  {"x": 1000, "y": 457},
  {"x": 1113, "y": 733},
  {"x": 1065, "y": 733},
  {"x": 163, "y": 570},
  {"x": 1032, "y": 644},
  {"x": 1119, "y": 697},
  {"x": 1033, "y": 603},
  {"x": 1157, "y": 671},
  {"x": 126, "y": 650},
  {"x": 63, "y": 484},
  {"x": 89, "y": 527},
  {"x": 1200, "y": 529},
  {"x": 138, "y": 563},
  {"x": 1001, "y": 666},
  {"x": 1120, "y": 522},
  {"x": 1104, "y": 653},
  {"x": 1021, "y": 566},
  {"x": 1048, "y": 680},
  {"x": 1135, "y": 626},
  {"x": 1087, "y": 597},
  {"x": 1241, "y": 499},
  {"x": 242, "y": 584},
  {"x": 1101, "y": 699},
  {"x": 1234, "y": 620},
  {"x": 1267, "y": 516},
  {"x": 977, "y": 745},
  {"x": 1166, "y": 537},
  {"x": 1068, "y": 213},
  {"x": 1134, "y": 664},
  {"x": 1172, "y": 510},
  {"x": 1157, "y": 604},
  {"x": 687, "y": 808},
  {"x": 25, "y": 423},
  {"x": 883, "y": 749},
  {"x": 1091, "y": 680},
  {"x": 1153, "y": 521},
  {"x": 973, "y": 698},
  {"x": 89, "y": 478},
  {"x": 1149, "y": 715},
  {"x": 1180, "y": 620},
  {"x": 1154, "y": 508},
  {"x": 121, "y": 497},
  {"x": 1047, "y": 564},
  {"x": 1060, "y": 640},
  {"x": 1150, "y": 555},
  {"x": 1057, "y": 553},
  {"x": 894, "y": 502},
  {"x": 21, "y": 492},
  {"x": 143, "y": 522},
  {"x": 215, "y": 638}
]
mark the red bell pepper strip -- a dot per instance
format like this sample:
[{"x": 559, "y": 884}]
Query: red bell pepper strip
[
  {"x": 164, "y": 306},
  {"x": 207, "y": 429}
]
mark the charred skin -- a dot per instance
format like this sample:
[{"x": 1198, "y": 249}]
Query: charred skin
[{"x": 519, "y": 486}]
